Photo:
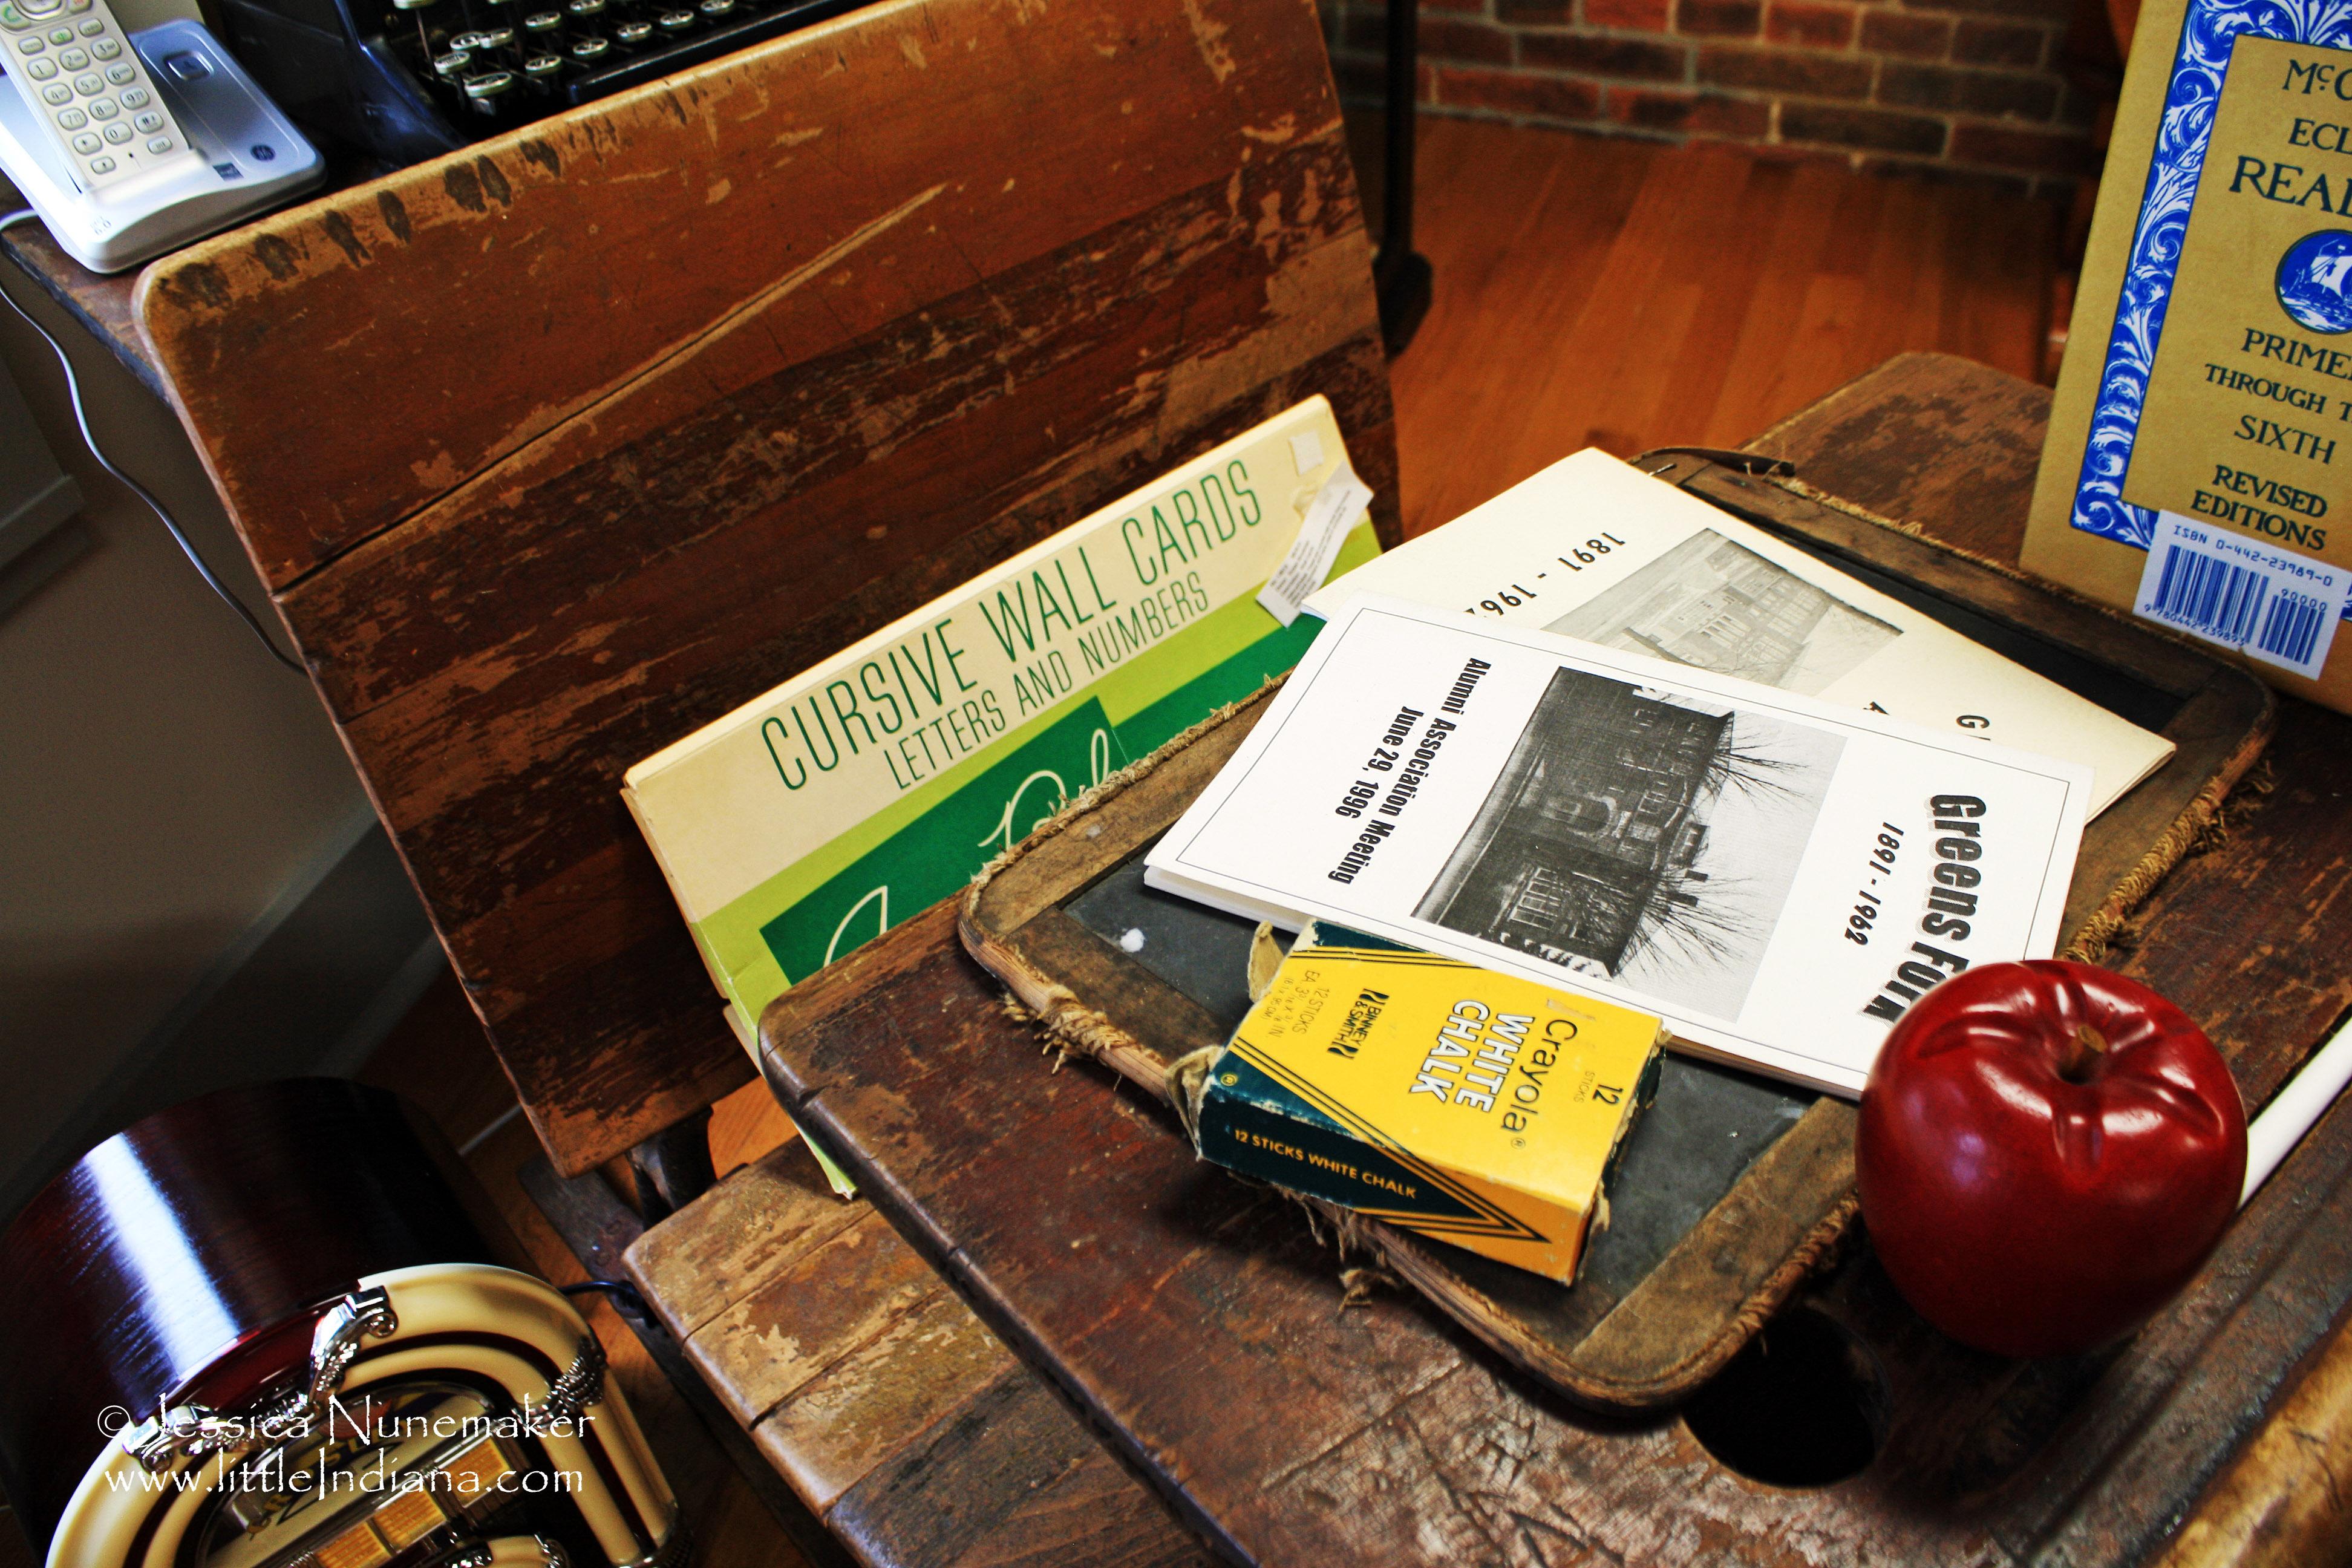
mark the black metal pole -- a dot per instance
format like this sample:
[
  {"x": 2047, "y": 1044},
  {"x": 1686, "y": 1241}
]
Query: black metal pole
[{"x": 1400, "y": 277}]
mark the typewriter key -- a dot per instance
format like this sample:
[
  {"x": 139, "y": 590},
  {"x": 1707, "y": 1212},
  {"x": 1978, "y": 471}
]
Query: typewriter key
[
  {"x": 496, "y": 38},
  {"x": 675, "y": 22},
  {"x": 585, "y": 10},
  {"x": 452, "y": 66},
  {"x": 592, "y": 51},
  {"x": 538, "y": 23},
  {"x": 717, "y": 10},
  {"x": 542, "y": 69},
  {"x": 484, "y": 91},
  {"x": 424, "y": 44},
  {"x": 633, "y": 35}
]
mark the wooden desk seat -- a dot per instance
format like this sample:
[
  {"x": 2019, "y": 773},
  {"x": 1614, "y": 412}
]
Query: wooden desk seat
[{"x": 893, "y": 1413}]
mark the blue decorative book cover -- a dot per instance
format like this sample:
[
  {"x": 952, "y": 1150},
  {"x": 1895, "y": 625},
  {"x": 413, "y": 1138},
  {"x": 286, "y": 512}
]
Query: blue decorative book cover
[{"x": 2199, "y": 456}]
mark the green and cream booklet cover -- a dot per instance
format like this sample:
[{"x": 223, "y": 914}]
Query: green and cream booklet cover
[{"x": 867, "y": 788}]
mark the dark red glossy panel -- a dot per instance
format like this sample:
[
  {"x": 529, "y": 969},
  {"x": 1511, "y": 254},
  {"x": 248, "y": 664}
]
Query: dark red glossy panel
[{"x": 195, "y": 1233}]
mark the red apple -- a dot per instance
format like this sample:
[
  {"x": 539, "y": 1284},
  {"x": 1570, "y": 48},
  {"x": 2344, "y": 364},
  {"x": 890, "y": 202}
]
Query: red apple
[{"x": 2047, "y": 1152}]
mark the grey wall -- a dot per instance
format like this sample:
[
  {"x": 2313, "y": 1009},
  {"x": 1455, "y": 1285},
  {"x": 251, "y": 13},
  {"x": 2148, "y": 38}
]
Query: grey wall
[{"x": 192, "y": 889}]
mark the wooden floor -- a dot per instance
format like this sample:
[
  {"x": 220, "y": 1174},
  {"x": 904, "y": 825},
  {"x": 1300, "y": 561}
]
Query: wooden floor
[
  {"x": 1588, "y": 292},
  {"x": 1618, "y": 294}
]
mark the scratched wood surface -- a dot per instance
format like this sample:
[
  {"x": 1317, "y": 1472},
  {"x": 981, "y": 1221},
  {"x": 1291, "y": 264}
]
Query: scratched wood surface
[
  {"x": 1860, "y": 443},
  {"x": 103, "y": 305},
  {"x": 553, "y": 450},
  {"x": 1203, "y": 1328},
  {"x": 891, "y": 1410}
]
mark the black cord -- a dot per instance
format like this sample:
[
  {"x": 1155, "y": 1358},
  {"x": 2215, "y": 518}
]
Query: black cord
[
  {"x": 623, "y": 1293},
  {"x": 170, "y": 524}
]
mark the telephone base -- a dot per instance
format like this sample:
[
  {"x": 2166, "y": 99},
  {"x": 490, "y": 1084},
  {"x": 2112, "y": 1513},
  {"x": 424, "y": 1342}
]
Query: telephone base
[{"x": 250, "y": 157}]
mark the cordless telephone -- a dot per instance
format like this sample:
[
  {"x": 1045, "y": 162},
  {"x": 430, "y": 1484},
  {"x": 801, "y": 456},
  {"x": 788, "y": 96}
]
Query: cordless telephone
[
  {"x": 130, "y": 146},
  {"x": 90, "y": 97}
]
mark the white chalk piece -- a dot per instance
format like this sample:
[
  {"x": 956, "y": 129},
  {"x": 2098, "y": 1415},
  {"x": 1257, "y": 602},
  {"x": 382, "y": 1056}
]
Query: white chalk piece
[
  {"x": 1337, "y": 507},
  {"x": 2295, "y": 1108}
]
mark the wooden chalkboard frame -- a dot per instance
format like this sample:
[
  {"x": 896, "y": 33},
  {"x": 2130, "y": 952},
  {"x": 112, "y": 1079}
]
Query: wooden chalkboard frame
[{"x": 1781, "y": 1217}]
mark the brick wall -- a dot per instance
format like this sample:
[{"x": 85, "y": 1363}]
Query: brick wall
[{"x": 1970, "y": 86}]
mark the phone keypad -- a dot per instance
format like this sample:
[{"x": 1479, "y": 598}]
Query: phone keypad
[{"x": 105, "y": 107}]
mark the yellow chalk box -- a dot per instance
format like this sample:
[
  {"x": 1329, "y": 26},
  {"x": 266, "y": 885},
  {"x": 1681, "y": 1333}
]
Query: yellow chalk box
[{"x": 1476, "y": 1108}]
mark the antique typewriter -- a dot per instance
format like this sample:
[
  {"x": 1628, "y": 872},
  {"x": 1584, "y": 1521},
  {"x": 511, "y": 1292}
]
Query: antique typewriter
[{"x": 395, "y": 81}]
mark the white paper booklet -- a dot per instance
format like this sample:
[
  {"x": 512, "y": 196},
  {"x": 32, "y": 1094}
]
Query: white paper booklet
[
  {"x": 1593, "y": 548},
  {"x": 1777, "y": 876}
]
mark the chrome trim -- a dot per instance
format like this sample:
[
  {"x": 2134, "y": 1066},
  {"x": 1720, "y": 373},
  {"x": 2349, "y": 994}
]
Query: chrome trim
[
  {"x": 335, "y": 1343},
  {"x": 582, "y": 1385},
  {"x": 676, "y": 1551},
  {"x": 198, "y": 1431}
]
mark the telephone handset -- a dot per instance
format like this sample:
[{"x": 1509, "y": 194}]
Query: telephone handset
[
  {"x": 129, "y": 147},
  {"x": 91, "y": 99}
]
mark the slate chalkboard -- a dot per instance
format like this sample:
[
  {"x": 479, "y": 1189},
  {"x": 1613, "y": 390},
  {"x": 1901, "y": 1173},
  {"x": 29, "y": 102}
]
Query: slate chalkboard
[{"x": 1733, "y": 1188}]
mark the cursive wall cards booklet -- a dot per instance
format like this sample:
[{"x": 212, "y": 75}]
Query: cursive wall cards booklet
[
  {"x": 1779, "y": 878},
  {"x": 828, "y": 809}
]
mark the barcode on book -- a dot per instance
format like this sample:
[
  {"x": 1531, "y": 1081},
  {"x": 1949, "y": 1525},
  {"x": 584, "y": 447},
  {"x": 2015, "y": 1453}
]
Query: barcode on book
[
  {"x": 2225, "y": 602},
  {"x": 2272, "y": 606}
]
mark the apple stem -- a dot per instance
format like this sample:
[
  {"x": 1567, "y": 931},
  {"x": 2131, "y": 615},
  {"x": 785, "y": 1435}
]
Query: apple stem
[{"x": 2082, "y": 1054}]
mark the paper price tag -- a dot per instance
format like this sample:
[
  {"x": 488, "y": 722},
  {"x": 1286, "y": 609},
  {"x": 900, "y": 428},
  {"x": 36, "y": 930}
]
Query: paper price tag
[
  {"x": 2268, "y": 604},
  {"x": 1333, "y": 511}
]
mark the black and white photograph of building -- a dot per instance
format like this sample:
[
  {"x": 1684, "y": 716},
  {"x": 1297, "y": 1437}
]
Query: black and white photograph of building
[
  {"x": 1717, "y": 605},
  {"x": 1647, "y": 837}
]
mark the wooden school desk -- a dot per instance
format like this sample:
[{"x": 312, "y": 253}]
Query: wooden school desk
[
  {"x": 519, "y": 548},
  {"x": 1198, "y": 1329},
  {"x": 550, "y": 451}
]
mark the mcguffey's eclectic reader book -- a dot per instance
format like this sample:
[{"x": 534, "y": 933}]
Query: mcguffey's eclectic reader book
[{"x": 2199, "y": 464}]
